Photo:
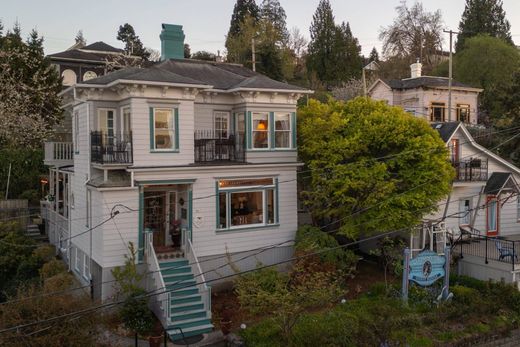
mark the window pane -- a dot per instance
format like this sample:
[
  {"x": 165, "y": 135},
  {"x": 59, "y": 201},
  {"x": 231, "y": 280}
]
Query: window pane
[
  {"x": 270, "y": 207},
  {"x": 282, "y": 139},
  {"x": 260, "y": 130},
  {"x": 164, "y": 131},
  {"x": 247, "y": 208},
  {"x": 283, "y": 122},
  {"x": 222, "y": 211}
]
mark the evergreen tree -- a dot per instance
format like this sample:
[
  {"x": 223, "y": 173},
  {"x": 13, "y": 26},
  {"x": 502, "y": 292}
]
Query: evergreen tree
[
  {"x": 80, "y": 38},
  {"x": 483, "y": 17},
  {"x": 374, "y": 56},
  {"x": 333, "y": 52},
  {"x": 133, "y": 44},
  {"x": 273, "y": 12},
  {"x": 242, "y": 9},
  {"x": 187, "y": 51}
]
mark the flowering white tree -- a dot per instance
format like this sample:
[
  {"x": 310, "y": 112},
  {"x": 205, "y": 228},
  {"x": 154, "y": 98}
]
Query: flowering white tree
[{"x": 29, "y": 87}]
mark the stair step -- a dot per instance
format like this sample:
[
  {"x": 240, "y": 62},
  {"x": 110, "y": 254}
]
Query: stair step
[
  {"x": 185, "y": 299},
  {"x": 185, "y": 307},
  {"x": 184, "y": 292},
  {"x": 176, "y": 335},
  {"x": 171, "y": 263},
  {"x": 178, "y": 278},
  {"x": 192, "y": 323},
  {"x": 176, "y": 317},
  {"x": 181, "y": 285},
  {"x": 176, "y": 269}
]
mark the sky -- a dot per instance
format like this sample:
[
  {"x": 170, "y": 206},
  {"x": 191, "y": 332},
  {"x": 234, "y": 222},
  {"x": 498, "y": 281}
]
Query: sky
[{"x": 206, "y": 22}]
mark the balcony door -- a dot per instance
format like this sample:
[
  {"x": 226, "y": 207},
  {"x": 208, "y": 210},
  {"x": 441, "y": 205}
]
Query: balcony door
[
  {"x": 106, "y": 120},
  {"x": 221, "y": 125},
  {"x": 126, "y": 126},
  {"x": 492, "y": 215}
]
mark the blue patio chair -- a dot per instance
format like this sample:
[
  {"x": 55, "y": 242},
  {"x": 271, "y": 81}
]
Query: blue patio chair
[{"x": 505, "y": 251}]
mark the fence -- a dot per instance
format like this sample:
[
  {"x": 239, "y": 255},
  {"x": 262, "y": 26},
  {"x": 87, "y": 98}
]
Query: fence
[
  {"x": 489, "y": 248},
  {"x": 17, "y": 210},
  {"x": 210, "y": 148},
  {"x": 111, "y": 149}
]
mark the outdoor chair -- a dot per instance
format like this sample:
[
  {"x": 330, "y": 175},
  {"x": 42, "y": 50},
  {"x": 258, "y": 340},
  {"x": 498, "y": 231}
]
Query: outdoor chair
[{"x": 505, "y": 251}]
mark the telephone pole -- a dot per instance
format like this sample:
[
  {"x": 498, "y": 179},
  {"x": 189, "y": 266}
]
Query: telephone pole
[
  {"x": 450, "y": 73},
  {"x": 253, "y": 54}
]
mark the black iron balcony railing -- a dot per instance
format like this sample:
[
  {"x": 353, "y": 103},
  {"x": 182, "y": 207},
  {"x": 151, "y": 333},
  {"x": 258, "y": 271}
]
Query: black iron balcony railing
[
  {"x": 211, "y": 148},
  {"x": 111, "y": 149},
  {"x": 471, "y": 170}
]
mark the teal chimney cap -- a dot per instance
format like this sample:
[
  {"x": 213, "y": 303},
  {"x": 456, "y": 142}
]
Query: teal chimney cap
[{"x": 172, "y": 41}]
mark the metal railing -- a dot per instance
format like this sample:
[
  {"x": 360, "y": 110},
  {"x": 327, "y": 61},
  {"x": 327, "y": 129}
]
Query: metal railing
[
  {"x": 111, "y": 149},
  {"x": 161, "y": 302},
  {"x": 488, "y": 248},
  {"x": 191, "y": 256},
  {"x": 59, "y": 151},
  {"x": 471, "y": 170},
  {"x": 211, "y": 148}
]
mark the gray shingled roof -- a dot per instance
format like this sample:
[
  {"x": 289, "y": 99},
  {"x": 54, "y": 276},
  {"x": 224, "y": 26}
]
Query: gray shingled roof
[
  {"x": 103, "y": 47},
  {"x": 496, "y": 182},
  {"x": 446, "y": 129},
  {"x": 423, "y": 81},
  {"x": 152, "y": 74},
  {"x": 80, "y": 54},
  {"x": 185, "y": 71}
]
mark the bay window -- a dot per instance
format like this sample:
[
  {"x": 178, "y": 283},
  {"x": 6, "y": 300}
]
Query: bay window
[
  {"x": 246, "y": 202},
  {"x": 164, "y": 129},
  {"x": 260, "y": 130},
  {"x": 271, "y": 130}
]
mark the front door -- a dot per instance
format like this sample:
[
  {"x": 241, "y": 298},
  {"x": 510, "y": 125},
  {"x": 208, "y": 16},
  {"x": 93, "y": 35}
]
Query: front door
[
  {"x": 492, "y": 215},
  {"x": 154, "y": 216}
]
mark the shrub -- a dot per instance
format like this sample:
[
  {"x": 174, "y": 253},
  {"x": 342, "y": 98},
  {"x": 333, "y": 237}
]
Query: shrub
[
  {"x": 333, "y": 328},
  {"x": 52, "y": 268},
  {"x": 58, "y": 282},
  {"x": 45, "y": 252},
  {"x": 127, "y": 277},
  {"x": 264, "y": 334},
  {"x": 135, "y": 314}
]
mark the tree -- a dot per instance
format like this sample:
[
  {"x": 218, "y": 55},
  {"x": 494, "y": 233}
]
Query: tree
[
  {"x": 483, "y": 17},
  {"x": 333, "y": 52},
  {"x": 133, "y": 44},
  {"x": 489, "y": 63},
  {"x": 242, "y": 10},
  {"x": 374, "y": 167},
  {"x": 204, "y": 55},
  {"x": 272, "y": 12},
  {"x": 374, "y": 56},
  {"x": 80, "y": 38},
  {"x": 29, "y": 87},
  {"x": 414, "y": 34},
  {"x": 187, "y": 51},
  {"x": 155, "y": 55}
]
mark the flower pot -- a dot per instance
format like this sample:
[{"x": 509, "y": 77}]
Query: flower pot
[
  {"x": 155, "y": 341},
  {"x": 225, "y": 326}
]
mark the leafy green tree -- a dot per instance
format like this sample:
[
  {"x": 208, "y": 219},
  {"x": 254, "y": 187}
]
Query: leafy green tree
[
  {"x": 489, "y": 63},
  {"x": 414, "y": 34},
  {"x": 483, "y": 17},
  {"x": 374, "y": 167},
  {"x": 243, "y": 10},
  {"x": 333, "y": 52},
  {"x": 29, "y": 87},
  {"x": 128, "y": 278},
  {"x": 133, "y": 44},
  {"x": 204, "y": 55},
  {"x": 273, "y": 12}
]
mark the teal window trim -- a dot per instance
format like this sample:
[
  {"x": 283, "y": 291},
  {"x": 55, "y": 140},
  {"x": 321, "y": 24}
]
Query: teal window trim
[
  {"x": 293, "y": 129},
  {"x": 229, "y": 191},
  {"x": 249, "y": 129},
  {"x": 152, "y": 182},
  {"x": 253, "y": 227},
  {"x": 175, "y": 114},
  {"x": 272, "y": 142},
  {"x": 190, "y": 213}
]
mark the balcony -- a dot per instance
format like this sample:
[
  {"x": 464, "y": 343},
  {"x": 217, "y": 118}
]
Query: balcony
[
  {"x": 58, "y": 153},
  {"x": 472, "y": 170},
  {"x": 110, "y": 149},
  {"x": 212, "y": 149}
]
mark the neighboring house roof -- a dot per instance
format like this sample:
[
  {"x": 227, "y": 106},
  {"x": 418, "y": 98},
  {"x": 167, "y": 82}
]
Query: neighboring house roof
[
  {"x": 498, "y": 181},
  {"x": 423, "y": 82},
  {"x": 195, "y": 72},
  {"x": 95, "y": 52},
  {"x": 102, "y": 47},
  {"x": 446, "y": 130}
]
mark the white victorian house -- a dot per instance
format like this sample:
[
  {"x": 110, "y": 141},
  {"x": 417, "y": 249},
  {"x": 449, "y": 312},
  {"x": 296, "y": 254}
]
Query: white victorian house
[{"x": 191, "y": 161}]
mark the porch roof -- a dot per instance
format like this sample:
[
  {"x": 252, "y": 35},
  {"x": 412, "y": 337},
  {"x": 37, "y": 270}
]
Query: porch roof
[{"x": 499, "y": 181}]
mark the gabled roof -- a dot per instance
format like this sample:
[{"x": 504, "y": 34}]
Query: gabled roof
[
  {"x": 498, "y": 181},
  {"x": 95, "y": 52},
  {"x": 102, "y": 47},
  {"x": 446, "y": 130},
  {"x": 425, "y": 82}
]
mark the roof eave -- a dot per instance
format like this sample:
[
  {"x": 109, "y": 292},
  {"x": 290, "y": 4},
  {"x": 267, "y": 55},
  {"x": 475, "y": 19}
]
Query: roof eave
[
  {"x": 150, "y": 83},
  {"x": 269, "y": 90}
]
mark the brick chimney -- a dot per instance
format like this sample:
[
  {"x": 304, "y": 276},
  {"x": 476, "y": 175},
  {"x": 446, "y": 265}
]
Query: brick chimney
[
  {"x": 172, "y": 42},
  {"x": 416, "y": 69}
]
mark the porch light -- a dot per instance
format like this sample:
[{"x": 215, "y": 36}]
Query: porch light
[{"x": 261, "y": 126}]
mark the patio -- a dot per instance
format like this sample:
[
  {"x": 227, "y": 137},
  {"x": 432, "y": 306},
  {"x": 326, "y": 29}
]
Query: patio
[{"x": 500, "y": 250}]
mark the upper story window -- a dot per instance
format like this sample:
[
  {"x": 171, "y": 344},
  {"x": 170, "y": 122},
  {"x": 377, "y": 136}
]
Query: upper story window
[
  {"x": 89, "y": 75},
  {"x": 438, "y": 110},
  {"x": 221, "y": 126},
  {"x": 164, "y": 129},
  {"x": 69, "y": 77},
  {"x": 106, "y": 125},
  {"x": 463, "y": 113},
  {"x": 260, "y": 130},
  {"x": 282, "y": 130}
]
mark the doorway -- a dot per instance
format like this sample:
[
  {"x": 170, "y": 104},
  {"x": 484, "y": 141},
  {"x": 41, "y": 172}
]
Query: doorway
[{"x": 161, "y": 217}]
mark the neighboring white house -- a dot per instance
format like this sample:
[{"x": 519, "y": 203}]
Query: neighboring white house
[
  {"x": 205, "y": 148},
  {"x": 427, "y": 97},
  {"x": 484, "y": 201}
]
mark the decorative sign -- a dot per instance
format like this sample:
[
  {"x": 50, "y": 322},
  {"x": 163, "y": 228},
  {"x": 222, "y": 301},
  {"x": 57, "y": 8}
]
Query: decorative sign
[{"x": 427, "y": 268}]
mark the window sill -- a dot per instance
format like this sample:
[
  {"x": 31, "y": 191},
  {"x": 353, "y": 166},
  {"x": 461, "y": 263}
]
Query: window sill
[
  {"x": 272, "y": 150},
  {"x": 164, "y": 151},
  {"x": 246, "y": 228}
]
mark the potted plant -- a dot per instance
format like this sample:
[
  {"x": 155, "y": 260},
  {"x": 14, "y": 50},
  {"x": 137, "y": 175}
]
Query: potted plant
[
  {"x": 154, "y": 340},
  {"x": 175, "y": 232}
]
